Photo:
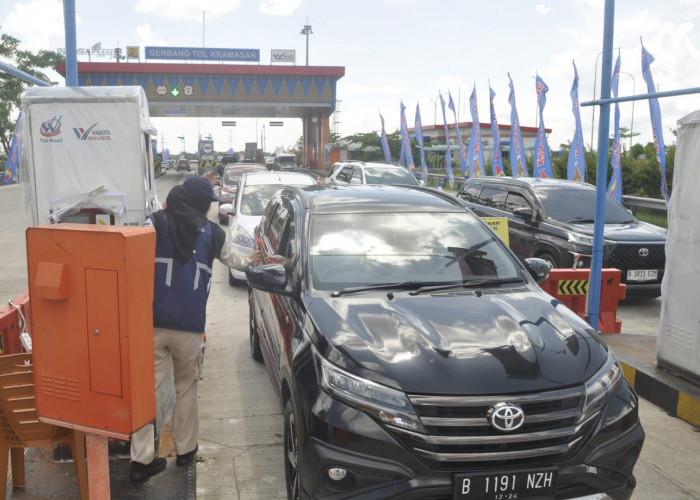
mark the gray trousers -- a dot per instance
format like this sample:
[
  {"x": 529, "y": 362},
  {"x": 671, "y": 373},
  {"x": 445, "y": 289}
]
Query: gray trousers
[{"x": 184, "y": 349}]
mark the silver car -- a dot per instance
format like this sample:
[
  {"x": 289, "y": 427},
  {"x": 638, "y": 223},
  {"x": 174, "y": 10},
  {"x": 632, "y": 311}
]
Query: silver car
[
  {"x": 372, "y": 173},
  {"x": 254, "y": 191}
]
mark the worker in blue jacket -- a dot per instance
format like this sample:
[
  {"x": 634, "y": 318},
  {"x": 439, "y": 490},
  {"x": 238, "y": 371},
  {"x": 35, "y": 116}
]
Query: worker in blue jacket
[{"x": 186, "y": 245}]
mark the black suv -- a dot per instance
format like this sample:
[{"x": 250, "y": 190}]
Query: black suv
[
  {"x": 553, "y": 219},
  {"x": 415, "y": 357}
]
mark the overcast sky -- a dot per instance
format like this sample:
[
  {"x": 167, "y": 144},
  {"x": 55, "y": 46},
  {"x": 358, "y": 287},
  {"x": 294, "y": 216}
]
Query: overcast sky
[{"x": 408, "y": 50}]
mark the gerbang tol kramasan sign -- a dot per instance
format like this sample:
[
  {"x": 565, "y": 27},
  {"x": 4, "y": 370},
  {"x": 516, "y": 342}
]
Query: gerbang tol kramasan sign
[{"x": 203, "y": 54}]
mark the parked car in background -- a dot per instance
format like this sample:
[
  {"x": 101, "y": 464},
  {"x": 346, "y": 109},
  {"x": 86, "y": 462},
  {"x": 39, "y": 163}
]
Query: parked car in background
[
  {"x": 182, "y": 165},
  {"x": 254, "y": 191},
  {"x": 229, "y": 184},
  {"x": 284, "y": 161},
  {"x": 372, "y": 173},
  {"x": 224, "y": 161},
  {"x": 553, "y": 219},
  {"x": 194, "y": 165},
  {"x": 414, "y": 356}
]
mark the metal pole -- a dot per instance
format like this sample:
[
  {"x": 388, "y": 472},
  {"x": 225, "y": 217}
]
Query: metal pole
[
  {"x": 71, "y": 44},
  {"x": 602, "y": 167},
  {"x": 595, "y": 80},
  {"x": 634, "y": 91}
]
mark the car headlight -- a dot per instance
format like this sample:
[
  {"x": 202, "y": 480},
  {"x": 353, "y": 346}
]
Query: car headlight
[
  {"x": 389, "y": 405},
  {"x": 602, "y": 385},
  {"x": 240, "y": 236},
  {"x": 580, "y": 239}
]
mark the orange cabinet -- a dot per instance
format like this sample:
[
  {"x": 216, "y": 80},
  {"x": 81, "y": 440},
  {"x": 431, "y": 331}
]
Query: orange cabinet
[{"x": 91, "y": 302}]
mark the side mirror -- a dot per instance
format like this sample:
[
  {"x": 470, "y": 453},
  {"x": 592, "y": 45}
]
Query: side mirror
[
  {"x": 538, "y": 269},
  {"x": 228, "y": 208},
  {"x": 523, "y": 212},
  {"x": 270, "y": 278}
]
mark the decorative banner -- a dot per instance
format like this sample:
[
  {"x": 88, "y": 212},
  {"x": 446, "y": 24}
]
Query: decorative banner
[
  {"x": 497, "y": 161},
  {"x": 406, "y": 141},
  {"x": 419, "y": 137},
  {"x": 476, "y": 153},
  {"x": 385, "y": 142},
  {"x": 518, "y": 163},
  {"x": 615, "y": 186},
  {"x": 542, "y": 159},
  {"x": 13, "y": 156},
  {"x": 656, "y": 126},
  {"x": 448, "y": 159},
  {"x": 462, "y": 152},
  {"x": 576, "y": 165}
]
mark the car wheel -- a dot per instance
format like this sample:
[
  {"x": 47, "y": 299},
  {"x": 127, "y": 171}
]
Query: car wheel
[
  {"x": 233, "y": 281},
  {"x": 549, "y": 258},
  {"x": 255, "y": 351},
  {"x": 292, "y": 453}
]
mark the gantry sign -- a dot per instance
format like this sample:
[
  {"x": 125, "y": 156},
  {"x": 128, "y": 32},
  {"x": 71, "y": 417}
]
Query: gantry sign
[{"x": 231, "y": 90}]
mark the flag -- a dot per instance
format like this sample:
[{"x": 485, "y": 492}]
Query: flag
[
  {"x": 13, "y": 156},
  {"x": 576, "y": 165},
  {"x": 542, "y": 164},
  {"x": 496, "y": 161},
  {"x": 419, "y": 137},
  {"x": 476, "y": 153},
  {"x": 166, "y": 154},
  {"x": 518, "y": 163},
  {"x": 406, "y": 141},
  {"x": 385, "y": 142},
  {"x": 448, "y": 159},
  {"x": 656, "y": 126},
  {"x": 615, "y": 186},
  {"x": 462, "y": 152}
]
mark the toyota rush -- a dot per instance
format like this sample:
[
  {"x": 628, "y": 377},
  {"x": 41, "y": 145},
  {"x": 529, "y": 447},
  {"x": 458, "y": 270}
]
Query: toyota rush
[{"x": 416, "y": 357}]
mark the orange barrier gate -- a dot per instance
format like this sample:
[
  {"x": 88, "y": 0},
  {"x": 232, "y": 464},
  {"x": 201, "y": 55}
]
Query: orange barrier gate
[
  {"x": 570, "y": 287},
  {"x": 11, "y": 324}
]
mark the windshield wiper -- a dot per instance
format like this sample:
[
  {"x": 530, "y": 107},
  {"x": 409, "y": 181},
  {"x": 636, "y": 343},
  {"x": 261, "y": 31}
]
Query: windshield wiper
[
  {"x": 390, "y": 286},
  {"x": 580, "y": 220},
  {"x": 467, "y": 284}
]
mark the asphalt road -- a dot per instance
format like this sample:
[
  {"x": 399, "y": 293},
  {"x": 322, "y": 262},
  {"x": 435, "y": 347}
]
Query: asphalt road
[{"x": 667, "y": 468}]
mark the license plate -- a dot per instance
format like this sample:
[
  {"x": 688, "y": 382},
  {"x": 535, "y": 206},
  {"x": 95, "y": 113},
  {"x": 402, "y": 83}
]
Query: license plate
[
  {"x": 642, "y": 274},
  {"x": 506, "y": 485}
]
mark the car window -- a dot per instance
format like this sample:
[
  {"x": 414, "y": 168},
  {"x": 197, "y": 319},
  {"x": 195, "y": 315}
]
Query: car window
[
  {"x": 493, "y": 197},
  {"x": 359, "y": 249},
  {"x": 345, "y": 174},
  {"x": 471, "y": 193},
  {"x": 572, "y": 205},
  {"x": 516, "y": 200},
  {"x": 276, "y": 227},
  {"x": 254, "y": 198},
  {"x": 356, "y": 176},
  {"x": 392, "y": 176}
]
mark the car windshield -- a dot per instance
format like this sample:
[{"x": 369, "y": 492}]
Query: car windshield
[
  {"x": 381, "y": 175},
  {"x": 350, "y": 250},
  {"x": 578, "y": 205},
  {"x": 255, "y": 197}
]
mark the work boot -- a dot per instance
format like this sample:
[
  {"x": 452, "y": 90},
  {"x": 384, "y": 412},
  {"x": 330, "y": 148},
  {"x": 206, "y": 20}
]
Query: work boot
[
  {"x": 187, "y": 457},
  {"x": 140, "y": 472}
]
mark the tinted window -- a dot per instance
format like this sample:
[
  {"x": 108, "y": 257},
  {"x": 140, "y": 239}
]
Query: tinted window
[
  {"x": 345, "y": 174},
  {"x": 255, "y": 197},
  {"x": 516, "y": 200},
  {"x": 276, "y": 227},
  {"x": 471, "y": 193},
  {"x": 360, "y": 249},
  {"x": 493, "y": 197},
  {"x": 394, "y": 176},
  {"x": 578, "y": 205}
]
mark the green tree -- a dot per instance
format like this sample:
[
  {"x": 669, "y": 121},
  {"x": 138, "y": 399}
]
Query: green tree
[{"x": 12, "y": 87}]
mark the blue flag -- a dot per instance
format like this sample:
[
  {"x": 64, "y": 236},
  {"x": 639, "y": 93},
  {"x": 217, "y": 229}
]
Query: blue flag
[
  {"x": 497, "y": 161},
  {"x": 615, "y": 186},
  {"x": 13, "y": 156},
  {"x": 448, "y": 158},
  {"x": 462, "y": 151},
  {"x": 656, "y": 126},
  {"x": 419, "y": 137},
  {"x": 406, "y": 141},
  {"x": 385, "y": 142},
  {"x": 166, "y": 154},
  {"x": 518, "y": 162},
  {"x": 476, "y": 153},
  {"x": 542, "y": 159},
  {"x": 576, "y": 165}
]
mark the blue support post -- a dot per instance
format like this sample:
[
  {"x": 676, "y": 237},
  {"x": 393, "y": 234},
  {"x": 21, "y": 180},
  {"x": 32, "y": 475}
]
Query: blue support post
[
  {"x": 71, "y": 44},
  {"x": 602, "y": 168}
]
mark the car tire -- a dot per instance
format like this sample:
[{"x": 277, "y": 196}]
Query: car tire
[
  {"x": 292, "y": 452},
  {"x": 549, "y": 258},
  {"x": 255, "y": 351},
  {"x": 233, "y": 281}
]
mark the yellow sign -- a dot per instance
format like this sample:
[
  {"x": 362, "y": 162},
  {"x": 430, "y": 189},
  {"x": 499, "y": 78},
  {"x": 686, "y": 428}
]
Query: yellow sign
[
  {"x": 500, "y": 225},
  {"x": 573, "y": 287},
  {"x": 132, "y": 52}
]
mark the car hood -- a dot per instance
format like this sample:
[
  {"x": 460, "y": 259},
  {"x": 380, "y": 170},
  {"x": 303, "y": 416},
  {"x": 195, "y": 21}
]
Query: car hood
[
  {"x": 460, "y": 343},
  {"x": 248, "y": 222},
  {"x": 634, "y": 231}
]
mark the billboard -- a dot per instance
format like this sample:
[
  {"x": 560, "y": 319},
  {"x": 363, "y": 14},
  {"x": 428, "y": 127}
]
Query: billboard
[
  {"x": 203, "y": 54},
  {"x": 277, "y": 55}
]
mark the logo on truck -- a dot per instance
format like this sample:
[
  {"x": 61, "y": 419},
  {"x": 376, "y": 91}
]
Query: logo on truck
[
  {"x": 92, "y": 134},
  {"x": 51, "y": 128}
]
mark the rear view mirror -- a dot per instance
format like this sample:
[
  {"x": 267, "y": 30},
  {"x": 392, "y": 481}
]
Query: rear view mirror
[
  {"x": 523, "y": 212},
  {"x": 538, "y": 269}
]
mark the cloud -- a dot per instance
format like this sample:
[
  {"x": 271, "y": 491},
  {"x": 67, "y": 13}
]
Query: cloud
[
  {"x": 185, "y": 9},
  {"x": 146, "y": 36},
  {"x": 279, "y": 7},
  {"x": 36, "y": 32},
  {"x": 542, "y": 9}
]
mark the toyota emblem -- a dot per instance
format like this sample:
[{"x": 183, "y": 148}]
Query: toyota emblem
[
  {"x": 643, "y": 252},
  {"x": 506, "y": 417}
]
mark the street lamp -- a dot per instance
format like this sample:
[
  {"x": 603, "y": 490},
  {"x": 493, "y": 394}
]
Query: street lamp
[
  {"x": 459, "y": 99},
  {"x": 595, "y": 79},
  {"x": 306, "y": 30},
  {"x": 634, "y": 92}
]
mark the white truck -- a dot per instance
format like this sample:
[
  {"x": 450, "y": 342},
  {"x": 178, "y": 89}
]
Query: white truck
[{"x": 87, "y": 156}]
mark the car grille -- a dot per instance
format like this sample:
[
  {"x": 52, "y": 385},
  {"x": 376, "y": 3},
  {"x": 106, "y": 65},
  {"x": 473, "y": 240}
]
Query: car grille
[
  {"x": 626, "y": 257},
  {"x": 459, "y": 436}
]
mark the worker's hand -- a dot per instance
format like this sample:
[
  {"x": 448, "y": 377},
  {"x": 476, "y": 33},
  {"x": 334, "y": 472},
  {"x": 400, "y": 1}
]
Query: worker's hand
[
  {"x": 255, "y": 257},
  {"x": 279, "y": 259}
]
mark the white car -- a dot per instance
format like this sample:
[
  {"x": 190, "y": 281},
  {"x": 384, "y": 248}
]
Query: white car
[
  {"x": 372, "y": 173},
  {"x": 254, "y": 191}
]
